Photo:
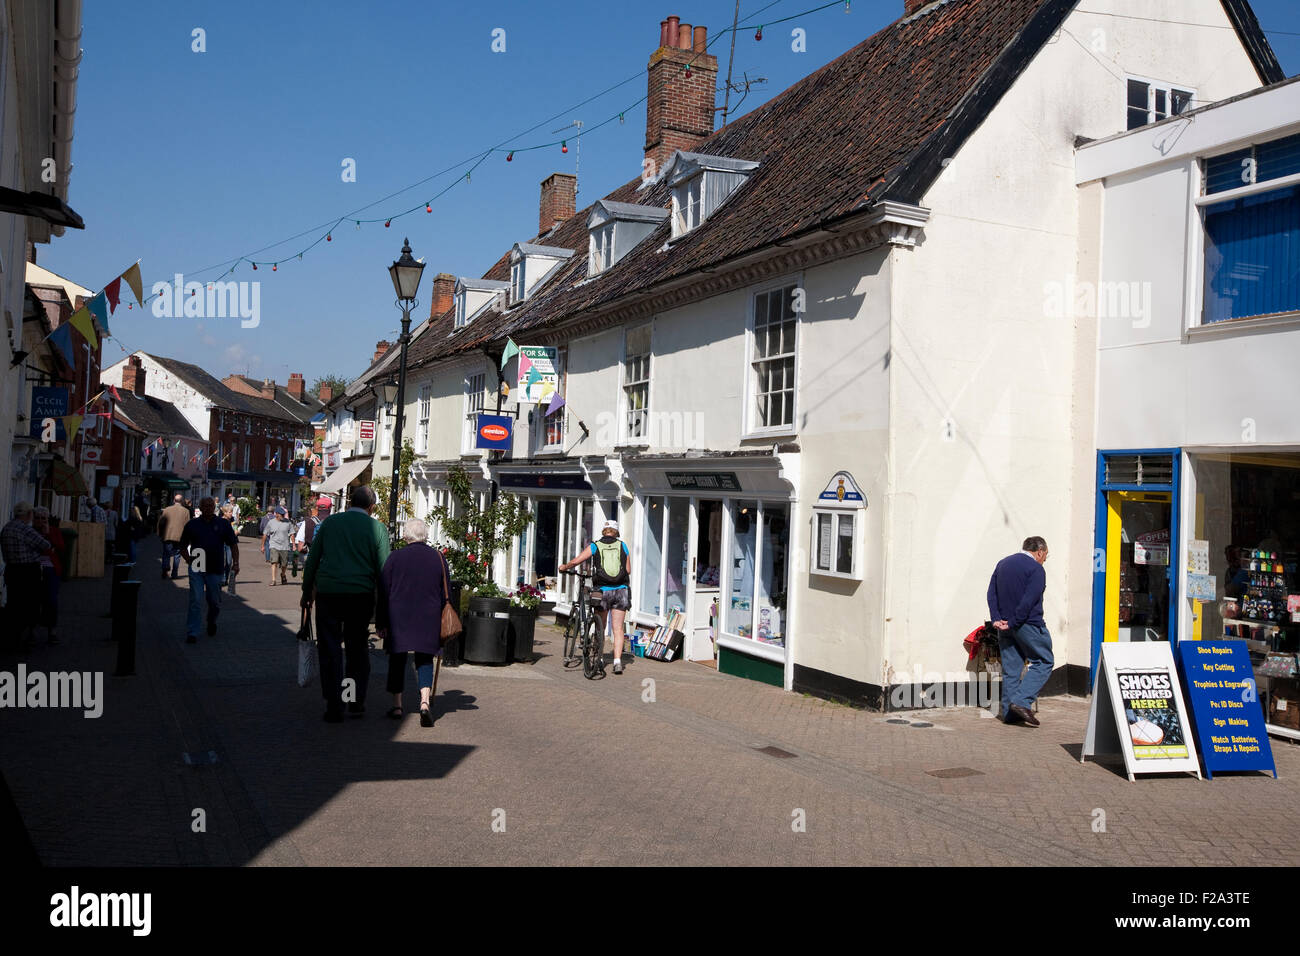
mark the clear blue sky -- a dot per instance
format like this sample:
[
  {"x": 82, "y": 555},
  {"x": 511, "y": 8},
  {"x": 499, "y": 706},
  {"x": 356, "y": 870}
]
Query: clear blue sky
[{"x": 185, "y": 160}]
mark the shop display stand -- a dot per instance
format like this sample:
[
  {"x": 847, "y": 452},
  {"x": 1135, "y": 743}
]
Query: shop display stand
[
  {"x": 666, "y": 641},
  {"x": 1265, "y": 584}
]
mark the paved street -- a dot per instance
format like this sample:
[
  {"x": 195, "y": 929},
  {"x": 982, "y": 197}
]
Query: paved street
[{"x": 570, "y": 771}]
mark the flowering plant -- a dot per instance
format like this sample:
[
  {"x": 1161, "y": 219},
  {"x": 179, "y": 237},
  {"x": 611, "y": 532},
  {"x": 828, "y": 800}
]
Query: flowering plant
[
  {"x": 526, "y": 596},
  {"x": 474, "y": 532}
]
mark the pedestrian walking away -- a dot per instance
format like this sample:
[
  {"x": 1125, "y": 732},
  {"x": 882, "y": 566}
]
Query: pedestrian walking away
[
  {"x": 22, "y": 547},
  {"x": 612, "y": 570},
  {"x": 203, "y": 545},
  {"x": 278, "y": 538},
  {"x": 136, "y": 524},
  {"x": 306, "y": 532},
  {"x": 171, "y": 523},
  {"x": 408, "y": 617},
  {"x": 341, "y": 577},
  {"x": 1016, "y": 605}
]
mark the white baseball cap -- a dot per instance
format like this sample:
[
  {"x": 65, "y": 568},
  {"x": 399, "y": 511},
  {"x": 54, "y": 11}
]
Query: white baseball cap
[{"x": 610, "y": 523}]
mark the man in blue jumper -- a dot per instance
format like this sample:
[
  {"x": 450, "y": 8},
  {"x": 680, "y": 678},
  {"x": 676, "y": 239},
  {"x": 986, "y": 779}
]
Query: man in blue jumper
[{"x": 1016, "y": 606}]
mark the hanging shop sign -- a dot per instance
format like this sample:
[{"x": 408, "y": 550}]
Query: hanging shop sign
[
  {"x": 538, "y": 377},
  {"x": 1137, "y": 710},
  {"x": 844, "y": 491},
  {"x": 48, "y": 401},
  {"x": 91, "y": 454},
  {"x": 1224, "y": 701},
  {"x": 493, "y": 432},
  {"x": 366, "y": 430},
  {"x": 331, "y": 454},
  {"x": 703, "y": 480},
  {"x": 1152, "y": 548}
]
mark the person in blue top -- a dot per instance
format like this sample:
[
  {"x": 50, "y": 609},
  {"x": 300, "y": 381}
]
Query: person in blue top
[
  {"x": 612, "y": 570},
  {"x": 1016, "y": 605}
]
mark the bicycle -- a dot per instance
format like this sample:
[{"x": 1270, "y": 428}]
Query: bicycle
[{"x": 584, "y": 626}]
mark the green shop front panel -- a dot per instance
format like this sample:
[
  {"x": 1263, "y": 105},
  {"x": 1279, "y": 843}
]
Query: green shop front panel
[{"x": 751, "y": 668}]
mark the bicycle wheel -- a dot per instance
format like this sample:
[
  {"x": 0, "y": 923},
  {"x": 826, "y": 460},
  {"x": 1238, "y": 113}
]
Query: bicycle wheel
[
  {"x": 570, "y": 639},
  {"x": 593, "y": 644}
]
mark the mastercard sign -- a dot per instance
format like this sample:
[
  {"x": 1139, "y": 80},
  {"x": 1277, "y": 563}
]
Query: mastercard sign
[{"x": 494, "y": 432}]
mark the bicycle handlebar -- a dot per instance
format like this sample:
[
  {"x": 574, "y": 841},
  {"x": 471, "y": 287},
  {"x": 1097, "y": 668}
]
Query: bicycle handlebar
[{"x": 578, "y": 574}]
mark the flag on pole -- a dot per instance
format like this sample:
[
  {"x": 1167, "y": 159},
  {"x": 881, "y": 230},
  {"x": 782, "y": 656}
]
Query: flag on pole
[{"x": 510, "y": 352}]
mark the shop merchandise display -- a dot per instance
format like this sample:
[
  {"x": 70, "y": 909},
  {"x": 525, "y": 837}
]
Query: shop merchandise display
[{"x": 666, "y": 641}]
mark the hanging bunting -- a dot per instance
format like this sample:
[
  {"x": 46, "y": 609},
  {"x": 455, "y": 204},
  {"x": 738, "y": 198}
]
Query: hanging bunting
[
  {"x": 132, "y": 277},
  {"x": 61, "y": 338},
  {"x": 71, "y": 423},
  {"x": 557, "y": 402},
  {"x": 510, "y": 352},
  {"x": 114, "y": 292},
  {"x": 83, "y": 323},
  {"x": 98, "y": 306},
  {"x": 112, "y": 390}
]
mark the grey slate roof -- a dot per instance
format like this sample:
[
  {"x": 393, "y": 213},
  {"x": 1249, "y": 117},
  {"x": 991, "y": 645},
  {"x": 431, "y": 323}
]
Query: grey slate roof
[{"x": 153, "y": 416}]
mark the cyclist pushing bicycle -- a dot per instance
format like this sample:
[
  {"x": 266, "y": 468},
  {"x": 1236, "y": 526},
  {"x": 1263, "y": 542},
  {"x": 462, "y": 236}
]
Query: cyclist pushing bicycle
[{"x": 612, "y": 570}]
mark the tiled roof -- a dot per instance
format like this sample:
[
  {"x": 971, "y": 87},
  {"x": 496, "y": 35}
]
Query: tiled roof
[
  {"x": 874, "y": 124},
  {"x": 221, "y": 395},
  {"x": 154, "y": 416},
  {"x": 303, "y": 411}
]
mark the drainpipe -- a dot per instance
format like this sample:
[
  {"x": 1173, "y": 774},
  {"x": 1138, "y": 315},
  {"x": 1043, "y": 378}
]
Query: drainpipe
[{"x": 67, "y": 65}]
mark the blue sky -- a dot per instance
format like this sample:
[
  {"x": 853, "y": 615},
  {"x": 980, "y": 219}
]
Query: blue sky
[{"x": 186, "y": 160}]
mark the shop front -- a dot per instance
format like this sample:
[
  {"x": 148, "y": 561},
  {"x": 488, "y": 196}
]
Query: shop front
[
  {"x": 1204, "y": 545},
  {"x": 712, "y": 558}
]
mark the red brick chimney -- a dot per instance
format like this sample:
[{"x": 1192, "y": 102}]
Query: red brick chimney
[
  {"x": 297, "y": 388},
  {"x": 380, "y": 348},
  {"x": 268, "y": 388},
  {"x": 444, "y": 294},
  {"x": 326, "y": 393},
  {"x": 679, "y": 108},
  {"x": 559, "y": 201},
  {"x": 133, "y": 375}
]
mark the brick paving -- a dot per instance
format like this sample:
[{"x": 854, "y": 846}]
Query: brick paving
[{"x": 578, "y": 772}]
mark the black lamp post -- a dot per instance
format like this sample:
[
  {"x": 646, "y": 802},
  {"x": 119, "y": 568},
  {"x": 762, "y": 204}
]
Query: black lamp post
[{"x": 406, "y": 273}]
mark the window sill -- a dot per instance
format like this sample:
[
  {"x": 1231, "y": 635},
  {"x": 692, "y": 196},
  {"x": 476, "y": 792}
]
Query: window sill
[
  {"x": 768, "y": 435},
  {"x": 1264, "y": 323},
  {"x": 752, "y": 647}
]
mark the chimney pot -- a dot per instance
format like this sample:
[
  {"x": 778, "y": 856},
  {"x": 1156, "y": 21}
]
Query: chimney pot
[
  {"x": 679, "y": 107},
  {"x": 671, "y": 33},
  {"x": 684, "y": 37},
  {"x": 701, "y": 39},
  {"x": 663, "y": 33}
]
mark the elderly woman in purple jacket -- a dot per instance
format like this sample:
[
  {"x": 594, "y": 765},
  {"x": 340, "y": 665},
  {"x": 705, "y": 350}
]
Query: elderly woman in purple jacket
[{"x": 408, "y": 615}]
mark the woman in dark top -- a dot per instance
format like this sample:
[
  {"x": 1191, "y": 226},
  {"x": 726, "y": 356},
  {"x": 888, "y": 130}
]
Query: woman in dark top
[{"x": 408, "y": 615}]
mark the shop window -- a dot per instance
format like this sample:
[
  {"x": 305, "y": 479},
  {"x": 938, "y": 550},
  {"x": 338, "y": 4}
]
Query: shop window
[
  {"x": 1252, "y": 240},
  {"x": 554, "y": 429},
  {"x": 773, "y": 359},
  {"x": 1150, "y": 102},
  {"x": 676, "y": 554},
  {"x": 652, "y": 553},
  {"x": 837, "y": 543},
  {"x": 738, "y": 617},
  {"x": 769, "y": 600},
  {"x": 474, "y": 385},
  {"x": 708, "y": 545},
  {"x": 636, "y": 381}
]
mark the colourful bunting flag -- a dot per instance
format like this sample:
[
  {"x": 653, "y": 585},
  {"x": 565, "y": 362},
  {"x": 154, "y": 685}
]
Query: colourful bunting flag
[
  {"x": 525, "y": 363},
  {"x": 114, "y": 292},
  {"x": 62, "y": 340},
  {"x": 71, "y": 423},
  {"x": 534, "y": 376},
  {"x": 132, "y": 277},
  {"x": 557, "y": 402},
  {"x": 511, "y": 351},
  {"x": 112, "y": 390},
  {"x": 82, "y": 322},
  {"x": 98, "y": 306}
]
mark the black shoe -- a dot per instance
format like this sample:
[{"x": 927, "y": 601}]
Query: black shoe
[
  {"x": 212, "y": 626},
  {"x": 175, "y": 575},
  {"x": 1022, "y": 715},
  {"x": 426, "y": 718},
  {"x": 333, "y": 716},
  {"x": 191, "y": 639},
  {"x": 356, "y": 709}
]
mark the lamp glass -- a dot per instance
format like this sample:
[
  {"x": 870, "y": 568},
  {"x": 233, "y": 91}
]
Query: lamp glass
[
  {"x": 406, "y": 273},
  {"x": 388, "y": 391}
]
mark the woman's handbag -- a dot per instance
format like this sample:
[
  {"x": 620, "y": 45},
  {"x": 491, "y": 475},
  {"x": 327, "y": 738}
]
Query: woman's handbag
[
  {"x": 308, "y": 662},
  {"x": 450, "y": 619}
]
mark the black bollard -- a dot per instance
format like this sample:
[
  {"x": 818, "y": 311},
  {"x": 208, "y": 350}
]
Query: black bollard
[
  {"x": 124, "y": 622},
  {"x": 121, "y": 571}
]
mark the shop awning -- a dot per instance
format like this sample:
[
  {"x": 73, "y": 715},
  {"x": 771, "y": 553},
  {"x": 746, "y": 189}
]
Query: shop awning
[
  {"x": 347, "y": 472},
  {"x": 167, "y": 479},
  {"x": 41, "y": 205}
]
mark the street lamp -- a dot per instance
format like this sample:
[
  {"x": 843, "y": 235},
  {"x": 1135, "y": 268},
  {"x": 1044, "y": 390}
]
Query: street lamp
[{"x": 405, "y": 273}]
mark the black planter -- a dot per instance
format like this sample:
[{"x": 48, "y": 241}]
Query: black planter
[
  {"x": 486, "y": 625},
  {"x": 523, "y": 620},
  {"x": 452, "y": 651}
]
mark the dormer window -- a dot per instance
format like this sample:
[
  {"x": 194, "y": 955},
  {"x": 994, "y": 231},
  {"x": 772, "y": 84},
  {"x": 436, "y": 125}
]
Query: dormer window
[
  {"x": 700, "y": 184},
  {"x": 531, "y": 265},
  {"x": 615, "y": 229},
  {"x": 474, "y": 297}
]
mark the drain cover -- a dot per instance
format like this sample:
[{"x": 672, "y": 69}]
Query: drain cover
[
  {"x": 956, "y": 772},
  {"x": 897, "y": 720},
  {"x": 775, "y": 752}
]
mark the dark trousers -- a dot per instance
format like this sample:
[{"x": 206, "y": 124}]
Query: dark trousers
[
  {"x": 171, "y": 553},
  {"x": 343, "y": 622},
  {"x": 397, "y": 671},
  {"x": 23, "y": 593}
]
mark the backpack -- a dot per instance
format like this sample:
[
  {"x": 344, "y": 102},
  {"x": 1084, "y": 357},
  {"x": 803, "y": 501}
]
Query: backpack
[{"x": 610, "y": 568}]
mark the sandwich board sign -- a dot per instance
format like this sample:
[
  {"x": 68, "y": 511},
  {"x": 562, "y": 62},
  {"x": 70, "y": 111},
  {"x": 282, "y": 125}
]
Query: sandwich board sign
[
  {"x": 1137, "y": 710},
  {"x": 1225, "y": 705}
]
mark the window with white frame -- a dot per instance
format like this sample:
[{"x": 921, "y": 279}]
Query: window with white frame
[
  {"x": 555, "y": 422},
  {"x": 636, "y": 382},
  {"x": 773, "y": 358},
  {"x": 688, "y": 205},
  {"x": 1249, "y": 212},
  {"x": 602, "y": 249},
  {"x": 248, "y": 456},
  {"x": 474, "y": 385},
  {"x": 517, "y": 282},
  {"x": 422, "y": 431},
  {"x": 1149, "y": 102},
  {"x": 460, "y": 309}
]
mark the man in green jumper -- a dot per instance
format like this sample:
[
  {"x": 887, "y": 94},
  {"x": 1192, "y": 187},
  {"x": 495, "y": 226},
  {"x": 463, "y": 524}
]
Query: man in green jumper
[{"x": 342, "y": 573}]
